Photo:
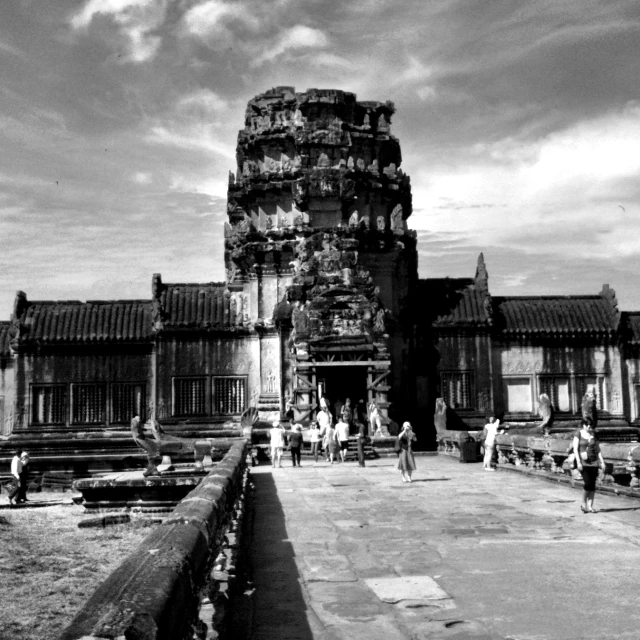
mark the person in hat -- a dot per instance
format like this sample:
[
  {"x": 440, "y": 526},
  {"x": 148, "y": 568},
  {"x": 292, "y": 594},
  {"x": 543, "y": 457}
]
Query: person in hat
[{"x": 406, "y": 461}]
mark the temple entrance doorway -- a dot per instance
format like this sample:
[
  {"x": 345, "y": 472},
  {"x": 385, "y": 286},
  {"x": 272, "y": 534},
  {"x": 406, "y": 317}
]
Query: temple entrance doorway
[{"x": 337, "y": 383}]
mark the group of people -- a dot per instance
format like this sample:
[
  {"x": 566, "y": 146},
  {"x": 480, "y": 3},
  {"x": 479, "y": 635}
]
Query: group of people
[
  {"x": 323, "y": 436},
  {"x": 585, "y": 454},
  {"x": 20, "y": 477}
]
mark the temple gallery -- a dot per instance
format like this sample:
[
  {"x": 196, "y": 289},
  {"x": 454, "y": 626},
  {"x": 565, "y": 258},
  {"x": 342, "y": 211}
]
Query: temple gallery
[{"x": 321, "y": 299}]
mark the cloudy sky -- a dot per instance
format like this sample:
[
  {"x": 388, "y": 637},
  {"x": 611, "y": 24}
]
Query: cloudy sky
[{"x": 519, "y": 122}]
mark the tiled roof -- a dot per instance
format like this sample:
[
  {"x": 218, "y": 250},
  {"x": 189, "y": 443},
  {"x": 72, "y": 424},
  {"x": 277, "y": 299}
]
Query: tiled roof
[
  {"x": 87, "y": 322},
  {"x": 556, "y": 315},
  {"x": 5, "y": 351},
  {"x": 203, "y": 306},
  {"x": 455, "y": 302}
]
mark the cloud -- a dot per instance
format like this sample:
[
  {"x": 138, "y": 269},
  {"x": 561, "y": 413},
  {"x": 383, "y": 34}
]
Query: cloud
[
  {"x": 295, "y": 38},
  {"x": 214, "y": 17},
  {"x": 136, "y": 20}
]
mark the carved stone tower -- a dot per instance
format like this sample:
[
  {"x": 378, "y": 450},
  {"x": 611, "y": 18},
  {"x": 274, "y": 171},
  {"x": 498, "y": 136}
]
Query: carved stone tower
[{"x": 317, "y": 237}]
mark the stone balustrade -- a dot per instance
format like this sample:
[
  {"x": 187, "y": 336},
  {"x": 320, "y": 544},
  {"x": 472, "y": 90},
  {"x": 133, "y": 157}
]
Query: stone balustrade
[
  {"x": 158, "y": 591},
  {"x": 551, "y": 456}
]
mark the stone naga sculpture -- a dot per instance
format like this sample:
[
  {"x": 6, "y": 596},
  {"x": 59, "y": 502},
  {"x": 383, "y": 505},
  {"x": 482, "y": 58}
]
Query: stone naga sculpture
[
  {"x": 545, "y": 411},
  {"x": 589, "y": 407}
]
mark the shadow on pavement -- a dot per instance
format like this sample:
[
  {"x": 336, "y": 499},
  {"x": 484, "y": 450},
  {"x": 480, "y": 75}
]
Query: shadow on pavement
[
  {"x": 621, "y": 509},
  {"x": 276, "y": 607}
]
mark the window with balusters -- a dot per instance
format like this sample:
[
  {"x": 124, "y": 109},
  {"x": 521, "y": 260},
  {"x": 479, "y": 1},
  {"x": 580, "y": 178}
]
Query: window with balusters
[
  {"x": 127, "y": 400},
  {"x": 48, "y": 404},
  {"x": 457, "y": 389},
  {"x": 88, "y": 402},
  {"x": 558, "y": 389},
  {"x": 189, "y": 396},
  {"x": 229, "y": 394},
  {"x": 595, "y": 383}
]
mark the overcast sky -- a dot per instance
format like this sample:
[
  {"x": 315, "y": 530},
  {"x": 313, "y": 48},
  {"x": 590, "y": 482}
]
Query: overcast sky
[{"x": 519, "y": 122}]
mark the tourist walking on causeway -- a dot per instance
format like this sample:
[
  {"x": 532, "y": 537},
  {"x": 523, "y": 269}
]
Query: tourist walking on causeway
[
  {"x": 276, "y": 433},
  {"x": 330, "y": 443},
  {"x": 16, "y": 469},
  {"x": 324, "y": 421},
  {"x": 491, "y": 430},
  {"x": 314, "y": 439},
  {"x": 361, "y": 437},
  {"x": 406, "y": 461},
  {"x": 24, "y": 478},
  {"x": 586, "y": 449},
  {"x": 342, "y": 435},
  {"x": 295, "y": 444}
]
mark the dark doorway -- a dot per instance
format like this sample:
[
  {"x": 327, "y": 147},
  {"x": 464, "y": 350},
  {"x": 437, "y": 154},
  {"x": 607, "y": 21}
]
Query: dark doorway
[{"x": 342, "y": 382}]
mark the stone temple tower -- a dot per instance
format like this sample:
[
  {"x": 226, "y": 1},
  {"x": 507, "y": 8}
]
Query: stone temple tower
[{"x": 317, "y": 239}]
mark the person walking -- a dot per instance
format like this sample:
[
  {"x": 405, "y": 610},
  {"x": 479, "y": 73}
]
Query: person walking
[
  {"x": 406, "y": 461},
  {"x": 295, "y": 444},
  {"x": 324, "y": 422},
  {"x": 276, "y": 435},
  {"x": 361, "y": 437},
  {"x": 490, "y": 431},
  {"x": 16, "y": 469},
  {"x": 588, "y": 456},
  {"x": 342, "y": 436},
  {"x": 314, "y": 439},
  {"x": 329, "y": 443},
  {"x": 24, "y": 478}
]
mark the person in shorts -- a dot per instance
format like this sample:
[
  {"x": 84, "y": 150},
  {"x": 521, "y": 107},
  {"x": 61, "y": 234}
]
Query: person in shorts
[
  {"x": 342, "y": 436},
  {"x": 314, "y": 439}
]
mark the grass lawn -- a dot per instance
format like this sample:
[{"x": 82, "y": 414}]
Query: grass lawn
[{"x": 49, "y": 567}]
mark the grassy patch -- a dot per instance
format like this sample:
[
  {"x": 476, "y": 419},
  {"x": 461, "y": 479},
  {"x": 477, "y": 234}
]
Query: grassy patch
[{"x": 49, "y": 567}]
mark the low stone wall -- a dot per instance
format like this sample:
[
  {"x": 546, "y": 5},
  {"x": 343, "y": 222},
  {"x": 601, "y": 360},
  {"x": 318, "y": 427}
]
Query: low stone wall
[
  {"x": 551, "y": 456},
  {"x": 155, "y": 594}
]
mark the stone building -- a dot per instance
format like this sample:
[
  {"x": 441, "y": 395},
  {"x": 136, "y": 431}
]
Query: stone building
[{"x": 321, "y": 298}]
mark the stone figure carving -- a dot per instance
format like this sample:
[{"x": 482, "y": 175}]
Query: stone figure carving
[
  {"x": 373, "y": 167},
  {"x": 271, "y": 382},
  {"x": 379, "y": 322},
  {"x": 545, "y": 411},
  {"x": 397, "y": 222},
  {"x": 365, "y": 223},
  {"x": 353, "y": 219},
  {"x": 298, "y": 120},
  {"x": 350, "y": 163},
  {"x": 589, "y": 406},
  {"x": 365, "y": 121},
  {"x": 381, "y": 223},
  {"x": 390, "y": 171},
  {"x": 360, "y": 164},
  {"x": 383, "y": 125},
  {"x": 323, "y": 161}
]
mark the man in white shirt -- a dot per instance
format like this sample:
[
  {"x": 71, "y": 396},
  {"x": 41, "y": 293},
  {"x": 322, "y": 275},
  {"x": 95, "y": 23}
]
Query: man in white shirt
[
  {"x": 324, "y": 422},
  {"x": 491, "y": 430},
  {"x": 277, "y": 443},
  {"x": 342, "y": 436},
  {"x": 16, "y": 470}
]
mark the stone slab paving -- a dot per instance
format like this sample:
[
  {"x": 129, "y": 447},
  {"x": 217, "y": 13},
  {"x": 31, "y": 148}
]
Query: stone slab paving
[{"x": 340, "y": 551}]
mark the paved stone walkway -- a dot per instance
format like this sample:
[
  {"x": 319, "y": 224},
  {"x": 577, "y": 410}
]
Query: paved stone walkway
[{"x": 344, "y": 552}]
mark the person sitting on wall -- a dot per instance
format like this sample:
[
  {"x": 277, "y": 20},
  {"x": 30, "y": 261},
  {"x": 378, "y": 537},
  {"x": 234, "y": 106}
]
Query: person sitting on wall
[{"x": 149, "y": 445}]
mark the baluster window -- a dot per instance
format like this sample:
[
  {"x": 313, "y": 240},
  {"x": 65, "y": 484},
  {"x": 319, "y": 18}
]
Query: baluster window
[
  {"x": 189, "y": 396},
  {"x": 557, "y": 388},
  {"x": 88, "y": 403},
  {"x": 229, "y": 395},
  {"x": 127, "y": 400},
  {"x": 457, "y": 389},
  {"x": 49, "y": 404}
]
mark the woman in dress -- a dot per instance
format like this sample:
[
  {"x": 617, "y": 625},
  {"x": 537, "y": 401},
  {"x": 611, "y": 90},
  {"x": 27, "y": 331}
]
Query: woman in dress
[
  {"x": 406, "y": 461},
  {"x": 586, "y": 450}
]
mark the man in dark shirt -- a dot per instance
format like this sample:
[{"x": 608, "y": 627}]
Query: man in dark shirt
[{"x": 295, "y": 443}]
